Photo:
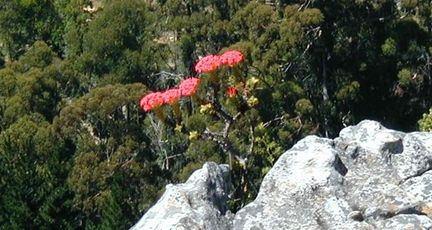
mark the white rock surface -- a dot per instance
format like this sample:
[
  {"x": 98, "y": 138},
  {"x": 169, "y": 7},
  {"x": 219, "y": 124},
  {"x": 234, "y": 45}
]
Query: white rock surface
[
  {"x": 368, "y": 178},
  {"x": 200, "y": 203}
]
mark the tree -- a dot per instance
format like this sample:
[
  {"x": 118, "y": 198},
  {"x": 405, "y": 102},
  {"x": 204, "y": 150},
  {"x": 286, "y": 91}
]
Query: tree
[
  {"x": 33, "y": 192},
  {"x": 118, "y": 46},
  {"x": 358, "y": 61},
  {"x": 24, "y": 22},
  {"x": 29, "y": 85},
  {"x": 111, "y": 149}
]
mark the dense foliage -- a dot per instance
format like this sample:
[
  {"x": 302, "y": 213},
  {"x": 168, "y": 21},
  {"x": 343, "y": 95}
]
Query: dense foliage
[{"x": 77, "y": 151}]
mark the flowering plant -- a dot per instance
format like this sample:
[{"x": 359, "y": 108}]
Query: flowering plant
[
  {"x": 189, "y": 86},
  {"x": 152, "y": 101},
  {"x": 231, "y": 91},
  {"x": 208, "y": 90},
  {"x": 218, "y": 109},
  {"x": 231, "y": 58},
  {"x": 171, "y": 96},
  {"x": 208, "y": 64}
]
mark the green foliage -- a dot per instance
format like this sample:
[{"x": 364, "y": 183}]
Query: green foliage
[
  {"x": 197, "y": 122},
  {"x": 389, "y": 47},
  {"x": 119, "y": 43},
  {"x": 111, "y": 146},
  {"x": 24, "y": 22},
  {"x": 29, "y": 85},
  {"x": 77, "y": 152},
  {"x": 304, "y": 106},
  {"x": 425, "y": 124},
  {"x": 111, "y": 214},
  {"x": 404, "y": 77},
  {"x": 199, "y": 152},
  {"x": 33, "y": 172},
  {"x": 349, "y": 92},
  {"x": 107, "y": 108}
]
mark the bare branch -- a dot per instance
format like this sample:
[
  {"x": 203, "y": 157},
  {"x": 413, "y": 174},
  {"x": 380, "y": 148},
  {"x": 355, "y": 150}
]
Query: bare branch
[
  {"x": 276, "y": 119},
  {"x": 252, "y": 140},
  {"x": 158, "y": 131},
  {"x": 305, "y": 5}
]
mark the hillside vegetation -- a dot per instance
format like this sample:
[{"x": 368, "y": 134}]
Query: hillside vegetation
[{"x": 78, "y": 152}]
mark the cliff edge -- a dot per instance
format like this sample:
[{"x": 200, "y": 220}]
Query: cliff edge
[{"x": 369, "y": 177}]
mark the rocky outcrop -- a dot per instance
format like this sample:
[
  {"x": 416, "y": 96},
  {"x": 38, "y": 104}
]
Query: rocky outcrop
[
  {"x": 200, "y": 203},
  {"x": 369, "y": 177}
]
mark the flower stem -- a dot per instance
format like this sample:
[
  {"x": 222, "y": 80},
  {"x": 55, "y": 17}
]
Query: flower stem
[
  {"x": 213, "y": 77},
  {"x": 176, "y": 110},
  {"x": 237, "y": 73},
  {"x": 159, "y": 114}
]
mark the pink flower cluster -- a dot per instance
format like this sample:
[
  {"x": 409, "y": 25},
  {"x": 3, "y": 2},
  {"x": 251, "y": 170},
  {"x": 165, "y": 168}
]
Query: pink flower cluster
[
  {"x": 151, "y": 101},
  {"x": 212, "y": 62},
  {"x": 207, "y": 64},
  {"x": 231, "y": 58},
  {"x": 154, "y": 100},
  {"x": 190, "y": 85}
]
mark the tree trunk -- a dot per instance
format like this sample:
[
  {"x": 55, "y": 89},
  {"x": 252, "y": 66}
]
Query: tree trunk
[{"x": 325, "y": 95}]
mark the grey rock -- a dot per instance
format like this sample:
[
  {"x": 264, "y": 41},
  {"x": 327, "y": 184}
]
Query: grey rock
[
  {"x": 405, "y": 221},
  {"x": 200, "y": 203},
  {"x": 300, "y": 191},
  {"x": 370, "y": 177}
]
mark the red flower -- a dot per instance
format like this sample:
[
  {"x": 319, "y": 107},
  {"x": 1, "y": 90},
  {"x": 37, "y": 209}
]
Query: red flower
[
  {"x": 172, "y": 95},
  {"x": 207, "y": 64},
  {"x": 231, "y": 91},
  {"x": 189, "y": 86},
  {"x": 152, "y": 100},
  {"x": 231, "y": 58}
]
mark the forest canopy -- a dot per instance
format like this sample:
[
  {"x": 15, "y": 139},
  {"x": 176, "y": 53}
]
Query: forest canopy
[{"x": 78, "y": 152}]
